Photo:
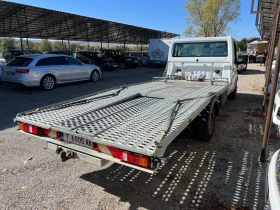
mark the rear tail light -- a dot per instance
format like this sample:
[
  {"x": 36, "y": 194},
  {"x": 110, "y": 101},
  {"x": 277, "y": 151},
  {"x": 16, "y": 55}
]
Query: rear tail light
[
  {"x": 33, "y": 129},
  {"x": 130, "y": 157},
  {"x": 136, "y": 159},
  {"x": 23, "y": 71},
  {"x": 29, "y": 128}
]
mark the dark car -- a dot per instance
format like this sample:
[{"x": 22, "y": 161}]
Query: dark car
[
  {"x": 242, "y": 61},
  {"x": 122, "y": 60},
  {"x": 100, "y": 59},
  {"x": 78, "y": 56},
  {"x": 62, "y": 52},
  {"x": 9, "y": 55}
]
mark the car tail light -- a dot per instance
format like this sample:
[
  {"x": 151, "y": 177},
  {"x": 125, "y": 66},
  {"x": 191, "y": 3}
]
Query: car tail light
[{"x": 23, "y": 71}]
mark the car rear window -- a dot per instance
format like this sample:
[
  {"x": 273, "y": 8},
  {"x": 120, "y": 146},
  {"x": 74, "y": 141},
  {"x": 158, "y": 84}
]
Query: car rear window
[{"x": 20, "y": 61}]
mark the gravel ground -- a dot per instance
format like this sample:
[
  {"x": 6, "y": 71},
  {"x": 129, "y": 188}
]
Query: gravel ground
[{"x": 222, "y": 174}]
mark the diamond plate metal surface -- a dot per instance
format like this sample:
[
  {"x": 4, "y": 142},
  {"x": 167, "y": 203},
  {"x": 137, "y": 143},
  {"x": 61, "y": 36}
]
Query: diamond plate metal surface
[{"x": 132, "y": 120}]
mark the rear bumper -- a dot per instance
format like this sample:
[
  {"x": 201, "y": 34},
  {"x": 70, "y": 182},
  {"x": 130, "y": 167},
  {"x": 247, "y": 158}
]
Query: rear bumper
[
  {"x": 157, "y": 62},
  {"x": 26, "y": 83},
  {"x": 86, "y": 154}
]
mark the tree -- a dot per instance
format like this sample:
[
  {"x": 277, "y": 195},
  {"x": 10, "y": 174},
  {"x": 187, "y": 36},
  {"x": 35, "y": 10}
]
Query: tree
[
  {"x": 57, "y": 45},
  {"x": 242, "y": 44},
  {"x": 45, "y": 45},
  {"x": 211, "y": 17},
  {"x": 7, "y": 43}
]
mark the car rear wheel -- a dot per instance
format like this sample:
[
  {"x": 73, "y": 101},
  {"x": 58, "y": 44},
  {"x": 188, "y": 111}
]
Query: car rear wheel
[
  {"x": 122, "y": 65},
  {"x": 47, "y": 82},
  {"x": 95, "y": 76}
]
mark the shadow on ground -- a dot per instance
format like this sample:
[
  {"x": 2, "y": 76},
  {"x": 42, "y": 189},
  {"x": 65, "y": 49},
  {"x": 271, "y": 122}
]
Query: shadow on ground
[
  {"x": 224, "y": 173},
  {"x": 252, "y": 72}
]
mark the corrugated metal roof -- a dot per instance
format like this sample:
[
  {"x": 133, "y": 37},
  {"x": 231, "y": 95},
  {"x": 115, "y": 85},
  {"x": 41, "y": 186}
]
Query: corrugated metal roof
[{"x": 34, "y": 22}]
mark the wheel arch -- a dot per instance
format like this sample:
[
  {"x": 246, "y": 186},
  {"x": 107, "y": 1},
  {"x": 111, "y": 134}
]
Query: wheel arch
[{"x": 50, "y": 74}]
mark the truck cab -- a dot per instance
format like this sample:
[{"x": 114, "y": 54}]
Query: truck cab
[{"x": 210, "y": 58}]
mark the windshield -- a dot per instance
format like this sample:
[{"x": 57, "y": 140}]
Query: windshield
[
  {"x": 99, "y": 55},
  {"x": 121, "y": 53},
  {"x": 200, "y": 49}
]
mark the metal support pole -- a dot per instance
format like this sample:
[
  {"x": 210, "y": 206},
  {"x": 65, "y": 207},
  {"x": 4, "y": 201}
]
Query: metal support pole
[
  {"x": 268, "y": 64},
  {"x": 88, "y": 45},
  {"x": 101, "y": 54},
  {"x": 21, "y": 46},
  {"x": 27, "y": 43},
  {"x": 46, "y": 44},
  {"x": 108, "y": 46},
  {"x": 141, "y": 53},
  {"x": 62, "y": 44},
  {"x": 124, "y": 54},
  {"x": 270, "y": 105},
  {"x": 69, "y": 44}
]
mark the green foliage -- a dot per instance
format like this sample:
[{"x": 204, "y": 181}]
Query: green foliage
[
  {"x": 242, "y": 44},
  {"x": 7, "y": 43},
  {"x": 211, "y": 17},
  {"x": 45, "y": 45}
]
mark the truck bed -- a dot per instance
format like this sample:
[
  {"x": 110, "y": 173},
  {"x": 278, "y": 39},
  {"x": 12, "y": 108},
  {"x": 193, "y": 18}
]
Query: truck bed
[{"x": 132, "y": 118}]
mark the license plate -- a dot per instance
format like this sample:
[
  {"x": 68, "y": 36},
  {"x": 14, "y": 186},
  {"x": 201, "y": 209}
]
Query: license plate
[
  {"x": 77, "y": 140},
  {"x": 8, "y": 73},
  {"x": 157, "y": 62}
]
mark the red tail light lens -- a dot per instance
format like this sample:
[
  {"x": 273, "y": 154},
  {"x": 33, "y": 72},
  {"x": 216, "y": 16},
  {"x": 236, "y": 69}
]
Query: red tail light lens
[
  {"x": 29, "y": 128},
  {"x": 23, "y": 71}
]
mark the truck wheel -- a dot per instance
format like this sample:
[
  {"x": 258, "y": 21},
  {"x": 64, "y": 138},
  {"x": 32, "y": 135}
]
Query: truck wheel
[
  {"x": 233, "y": 94},
  {"x": 207, "y": 126},
  {"x": 47, "y": 82}
]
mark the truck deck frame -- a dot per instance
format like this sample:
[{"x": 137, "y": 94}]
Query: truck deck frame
[{"x": 143, "y": 118}]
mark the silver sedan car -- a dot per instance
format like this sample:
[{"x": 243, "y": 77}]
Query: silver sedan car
[{"x": 48, "y": 70}]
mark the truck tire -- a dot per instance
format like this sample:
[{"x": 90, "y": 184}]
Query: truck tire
[
  {"x": 207, "y": 123},
  {"x": 233, "y": 94}
]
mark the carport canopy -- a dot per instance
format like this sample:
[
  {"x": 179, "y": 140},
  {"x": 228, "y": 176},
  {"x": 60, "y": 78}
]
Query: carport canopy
[{"x": 19, "y": 20}]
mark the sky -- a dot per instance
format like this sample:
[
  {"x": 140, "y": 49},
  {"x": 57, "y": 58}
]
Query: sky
[{"x": 168, "y": 15}]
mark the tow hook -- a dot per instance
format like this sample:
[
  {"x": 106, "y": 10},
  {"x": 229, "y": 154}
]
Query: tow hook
[
  {"x": 156, "y": 162},
  {"x": 64, "y": 155}
]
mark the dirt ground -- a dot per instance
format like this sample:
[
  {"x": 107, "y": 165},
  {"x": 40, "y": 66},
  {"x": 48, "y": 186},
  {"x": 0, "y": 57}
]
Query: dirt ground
[{"x": 224, "y": 173}]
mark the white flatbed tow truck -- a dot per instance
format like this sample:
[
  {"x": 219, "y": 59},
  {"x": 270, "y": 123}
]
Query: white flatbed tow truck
[{"x": 134, "y": 125}]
